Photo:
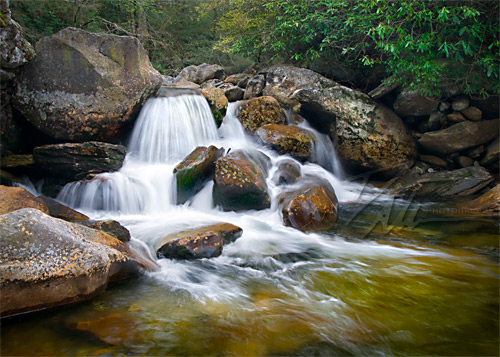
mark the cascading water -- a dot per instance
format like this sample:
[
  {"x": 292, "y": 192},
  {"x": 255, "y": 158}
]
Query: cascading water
[{"x": 276, "y": 290}]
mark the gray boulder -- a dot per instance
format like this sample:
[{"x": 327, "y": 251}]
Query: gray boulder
[
  {"x": 412, "y": 103},
  {"x": 85, "y": 86},
  {"x": 201, "y": 73}
]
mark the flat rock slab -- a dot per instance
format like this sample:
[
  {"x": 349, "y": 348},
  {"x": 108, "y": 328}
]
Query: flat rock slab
[
  {"x": 203, "y": 242},
  {"x": 14, "y": 198}
]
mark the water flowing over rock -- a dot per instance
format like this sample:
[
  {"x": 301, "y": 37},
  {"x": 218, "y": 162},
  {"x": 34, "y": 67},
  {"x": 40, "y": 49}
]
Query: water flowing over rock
[
  {"x": 46, "y": 261},
  {"x": 255, "y": 112},
  {"x": 85, "y": 86},
  {"x": 459, "y": 137},
  {"x": 285, "y": 139},
  {"x": 203, "y": 242},
  {"x": 287, "y": 173},
  {"x": 240, "y": 181},
  {"x": 75, "y": 160},
  {"x": 196, "y": 169},
  {"x": 310, "y": 206},
  {"x": 110, "y": 226},
  {"x": 14, "y": 198},
  {"x": 218, "y": 102},
  {"x": 369, "y": 135}
]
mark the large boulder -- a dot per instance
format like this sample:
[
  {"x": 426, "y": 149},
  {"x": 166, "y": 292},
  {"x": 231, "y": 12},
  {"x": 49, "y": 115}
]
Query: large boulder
[
  {"x": 461, "y": 182},
  {"x": 85, "y": 86},
  {"x": 459, "y": 137},
  {"x": 192, "y": 172},
  {"x": 240, "y": 181},
  {"x": 75, "y": 160},
  {"x": 491, "y": 158},
  {"x": 45, "y": 261},
  {"x": 14, "y": 198},
  {"x": 255, "y": 112},
  {"x": 203, "y": 242},
  {"x": 201, "y": 73},
  {"x": 218, "y": 101},
  {"x": 411, "y": 103},
  {"x": 369, "y": 135},
  {"x": 310, "y": 206},
  {"x": 288, "y": 139}
]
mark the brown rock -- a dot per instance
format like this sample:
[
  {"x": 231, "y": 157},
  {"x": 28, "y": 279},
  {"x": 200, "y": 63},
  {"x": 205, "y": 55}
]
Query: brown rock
[
  {"x": 464, "y": 161},
  {"x": 111, "y": 227},
  {"x": 58, "y": 210},
  {"x": 433, "y": 160},
  {"x": 285, "y": 139},
  {"x": 203, "y": 242},
  {"x": 288, "y": 172},
  {"x": 255, "y": 87},
  {"x": 456, "y": 117},
  {"x": 254, "y": 113},
  {"x": 492, "y": 156},
  {"x": 460, "y": 104},
  {"x": 412, "y": 103},
  {"x": 14, "y": 198},
  {"x": 472, "y": 113},
  {"x": 218, "y": 102}
]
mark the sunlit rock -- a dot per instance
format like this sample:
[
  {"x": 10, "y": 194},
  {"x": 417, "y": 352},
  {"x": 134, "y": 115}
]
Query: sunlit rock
[
  {"x": 255, "y": 112},
  {"x": 14, "y": 198},
  {"x": 240, "y": 181},
  {"x": 203, "y": 242},
  {"x": 218, "y": 102},
  {"x": 196, "y": 169},
  {"x": 85, "y": 86},
  {"x": 288, "y": 139},
  {"x": 201, "y": 73}
]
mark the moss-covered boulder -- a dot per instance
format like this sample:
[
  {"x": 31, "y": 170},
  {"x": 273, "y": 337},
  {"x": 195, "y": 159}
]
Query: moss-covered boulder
[
  {"x": 288, "y": 139},
  {"x": 76, "y": 160},
  {"x": 202, "y": 242},
  {"x": 255, "y": 112},
  {"x": 218, "y": 101},
  {"x": 46, "y": 262},
  {"x": 312, "y": 206},
  {"x": 84, "y": 86},
  {"x": 14, "y": 198},
  {"x": 196, "y": 169},
  {"x": 240, "y": 181}
]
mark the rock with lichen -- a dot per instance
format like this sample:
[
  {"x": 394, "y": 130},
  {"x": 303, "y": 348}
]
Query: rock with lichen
[
  {"x": 255, "y": 112},
  {"x": 14, "y": 198}
]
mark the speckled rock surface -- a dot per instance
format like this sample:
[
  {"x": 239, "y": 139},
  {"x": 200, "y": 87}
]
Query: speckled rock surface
[
  {"x": 75, "y": 160},
  {"x": 203, "y": 242},
  {"x": 192, "y": 172},
  {"x": 217, "y": 100},
  {"x": 310, "y": 206},
  {"x": 84, "y": 86},
  {"x": 255, "y": 112},
  {"x": 240, "y": 182},
  {"x": 369, "y": 135},
  {"x": 288, "y": 139},
  {"x": 45, "y": 261},
  {"x": 14, "y": 198}
]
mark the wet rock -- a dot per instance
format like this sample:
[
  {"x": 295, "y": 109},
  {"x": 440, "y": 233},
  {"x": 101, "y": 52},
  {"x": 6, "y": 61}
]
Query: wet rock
[
  {"x": 201, "y": 73},
  {"x": 233, "y": 93},
  {"x": 459, "y": 137},
  {"x": 14, "y": 198},
  {"x": 84, "y": 86},
  {"x": 10, "y": 129},
  {"x": 461, "y": 182},
  {"x": 240, "y": 181},
  {"x": 472, "y": 113},
  {"x": 433, "y": 160},
  {"x": 196, "y": 169},
  {"x": 203, "y": 242},
  {"x": 58, "y": 210},
  {"x": 285, "y": 139},
  {"x": 287, "y": 173},
  {"x": 412, "y": 103},
  {"x": 255, "y": 86},
  {"x": 75, "y": 160},
  {"x": 460, "y": 104},
  {"x": 370, "y": 136},
  {"x": 255, "y": 112},
  {"x": 45, "y": 261},
  {"x": 218, "y": 103},
  {"x": 312, "y": 206},
  {"x": 111, "y": 227},
  {"x": 476, "y": 152},
  {"x": 486, "y": 205},
  {"x": 492, "y": 156},
  {"x": 20, "y": 164}
]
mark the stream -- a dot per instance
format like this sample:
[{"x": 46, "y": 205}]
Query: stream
[{"x": 392, "y": 277}]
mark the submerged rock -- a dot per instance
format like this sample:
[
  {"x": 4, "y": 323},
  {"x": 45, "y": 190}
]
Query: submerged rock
[
  {"x": 459, "y": 137},
  {"x": 196, "y": 169},
  {"x": 85, "y": 86},
  {"x": 45, "y": 261},
  {"x": 240, "y": 181},
  {"x": 461, "y": 182},
  {"x": 287, "y": 173},
  {"x": 75, "y": 160},
  {"x": 203, "y": 242},
  {"x": 288, "y": 139},
  {"x": 14, "y": 198},
  {"x": 255, "y": 112},
  {"x": 312, "y": 206}
]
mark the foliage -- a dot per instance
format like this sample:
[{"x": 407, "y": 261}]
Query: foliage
[{"x": 413, "y": 40}]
